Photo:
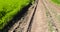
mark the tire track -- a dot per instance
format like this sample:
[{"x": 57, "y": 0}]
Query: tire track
[
  {"x": 31, "y": 21},
  {"x": 24, "y": 26},
  {"x": 51, "y": 17},
  {"x": 39, "y": 22}
]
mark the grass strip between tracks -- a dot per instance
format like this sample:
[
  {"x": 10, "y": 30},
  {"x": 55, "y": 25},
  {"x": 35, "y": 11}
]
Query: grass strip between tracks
[{"x": 49, "y": 22}]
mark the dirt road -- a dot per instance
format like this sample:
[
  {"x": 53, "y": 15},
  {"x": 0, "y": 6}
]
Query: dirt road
[
  {"x": 39, "y": 22},
  {"x": 42, "y": 18}
]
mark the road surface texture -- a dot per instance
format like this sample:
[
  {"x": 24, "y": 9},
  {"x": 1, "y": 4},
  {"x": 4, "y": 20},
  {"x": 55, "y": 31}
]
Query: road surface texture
[{"x": 42, "y": 16}]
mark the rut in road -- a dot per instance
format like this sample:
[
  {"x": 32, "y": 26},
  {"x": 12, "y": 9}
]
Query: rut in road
[
  {"x": 31, "y": 21},
  {"x": 24, "y": 26}
]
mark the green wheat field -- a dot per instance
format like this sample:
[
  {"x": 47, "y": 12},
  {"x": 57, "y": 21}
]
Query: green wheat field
[{"x": 9, "y": 8}]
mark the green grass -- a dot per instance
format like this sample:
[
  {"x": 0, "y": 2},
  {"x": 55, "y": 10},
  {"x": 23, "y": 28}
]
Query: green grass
[
  {"x": 9, "y": 8},
  {"x": 57, "y": 2}
]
